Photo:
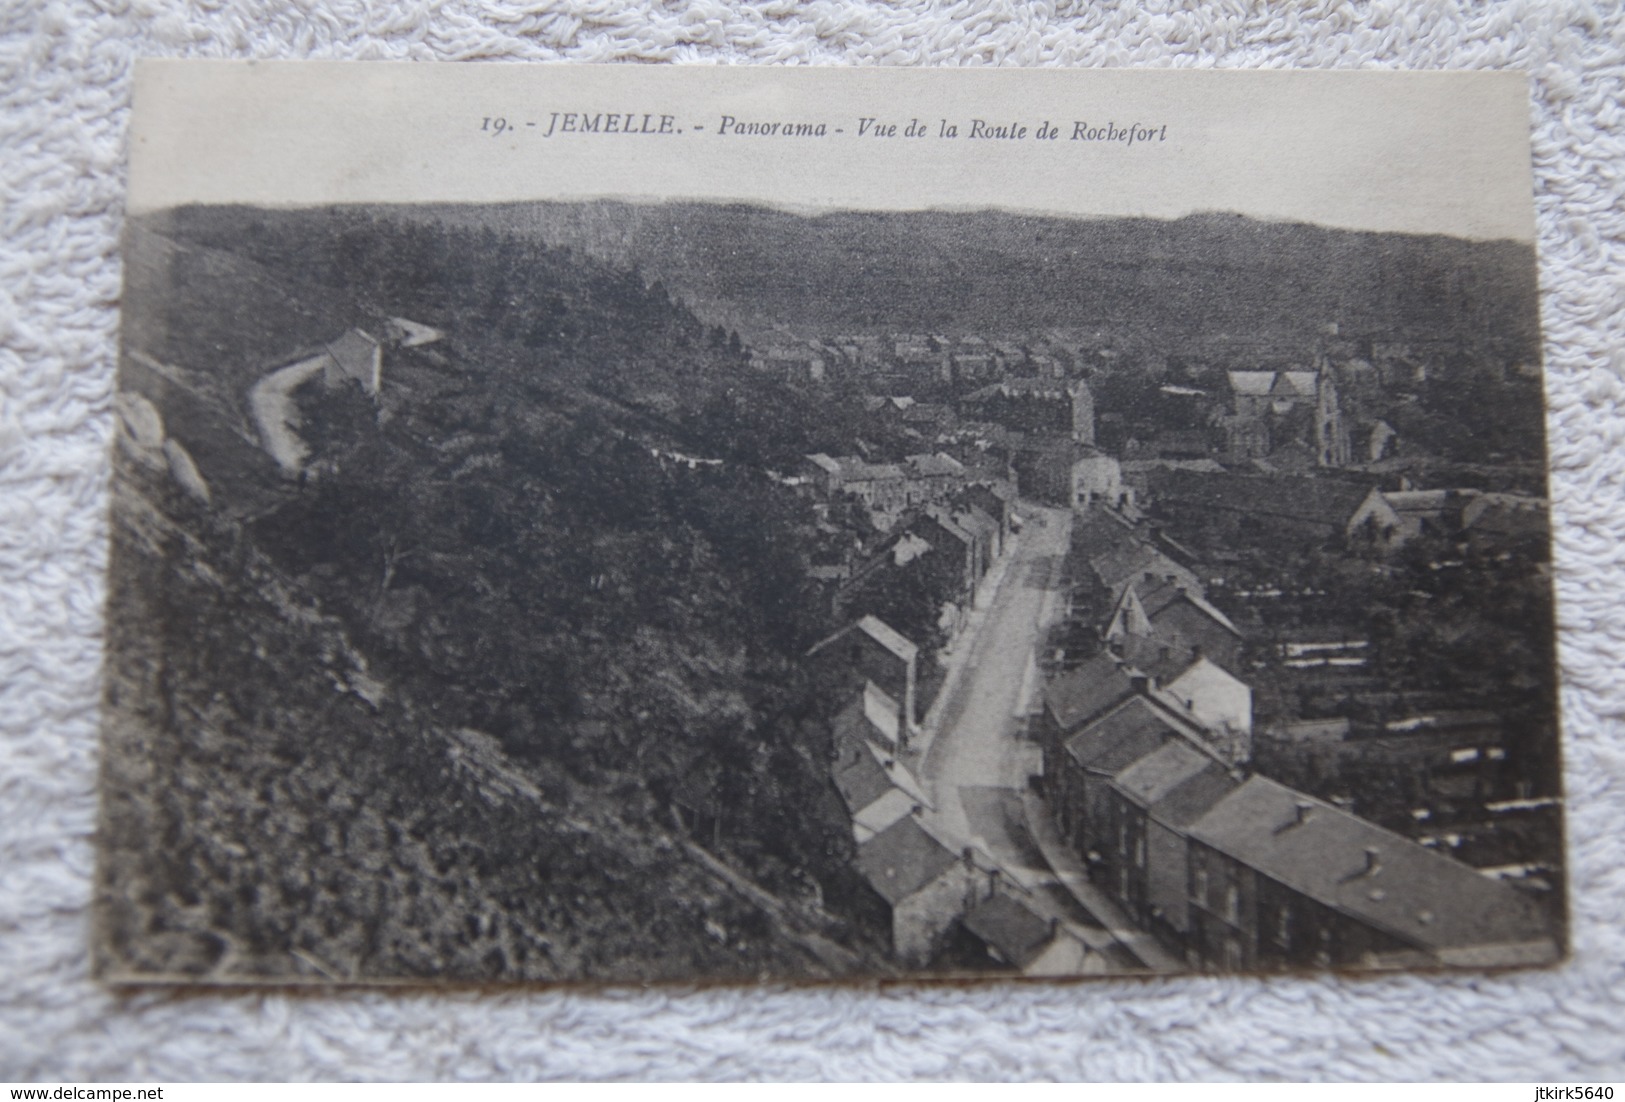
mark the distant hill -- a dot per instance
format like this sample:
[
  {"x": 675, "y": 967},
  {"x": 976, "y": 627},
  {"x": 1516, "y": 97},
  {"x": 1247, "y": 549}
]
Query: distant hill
[
  {"x": 1169, "y": 283},
  {"x": 1199, "y": 277}
]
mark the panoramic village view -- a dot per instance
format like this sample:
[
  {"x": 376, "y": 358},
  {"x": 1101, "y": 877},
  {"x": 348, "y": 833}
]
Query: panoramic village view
[{"x": 697, "y": 593}]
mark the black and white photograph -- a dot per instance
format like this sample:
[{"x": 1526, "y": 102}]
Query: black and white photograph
[{"x": 689, "y": 582}]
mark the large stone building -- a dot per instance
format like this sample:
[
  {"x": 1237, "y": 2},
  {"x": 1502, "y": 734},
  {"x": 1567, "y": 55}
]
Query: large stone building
[
  {"x": 1045, "y": 407},
  {"x": 1271, "y": 410}
]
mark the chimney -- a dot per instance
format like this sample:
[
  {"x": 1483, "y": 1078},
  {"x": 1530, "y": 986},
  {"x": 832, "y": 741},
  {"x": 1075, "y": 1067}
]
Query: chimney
[
  {"x": 1373, "y": 861},
  {"x": 1300, "y": 815}
]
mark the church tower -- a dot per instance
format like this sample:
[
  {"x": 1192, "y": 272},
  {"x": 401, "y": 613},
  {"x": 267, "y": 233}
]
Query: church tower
[
  {"x": 1332, "y": 445},
  {"x": 1083, "y": 412}
]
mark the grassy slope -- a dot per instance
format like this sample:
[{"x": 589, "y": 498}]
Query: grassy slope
[{"x": 294, "y": 785}]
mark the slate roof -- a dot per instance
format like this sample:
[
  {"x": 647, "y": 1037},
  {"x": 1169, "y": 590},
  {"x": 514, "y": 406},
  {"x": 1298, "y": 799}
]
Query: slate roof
[
  {"x": 1158, "y": 597},
  {"x": 1151, "y": 654},
  {"x": 1203, "y": 675},
  {"x": 1120, "y": 738},
  {"x": 1300, "y": 382},
  {"x": 1327, "y": 502},
  {"x": 950, "y": 524},
  {"x": 859, "y": 777},
  {"x": 1176, "y": 784},
  {"x": 902, "y": 859},
  {"x": 1191, "y": 799},
  {"x": 1004, "y": 924},
  {"x": 850, "y": 468},
  {"x": 1100, "y": 533},
  {"x": 887, "y": 636},
  {"x": 355, "y": 352},
  {"x": 1131, "y": 562},
  {"x": 977, "y": 522},
  {"x": 1255, "y": 384},
  {"x": 926, "y": 466},
  {"x": 1082, "y": 694},
  {"x": 878, "y": 815},
  {"x": 923, "y": 412},
  {"x": 1026, "y": 387},
  {"x": 875, "y": 472},
  {"x": 878, "y": 630},
  {"x": 1420, "y": 501},
  {"x": 1418, "y": 896},
  {"x": 1263, "y": 384},
  {"x": 1148, "y": 779},
  {"x": 1507, "y": 513},
  {"x": 1001, "y": 489}
]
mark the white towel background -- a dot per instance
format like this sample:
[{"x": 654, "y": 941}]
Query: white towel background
[{"x": 64, "y": 77}]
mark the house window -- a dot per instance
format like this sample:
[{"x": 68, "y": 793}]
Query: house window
[
  {"x": 1232, "y": 954},
  {"x": 1323, "y": 947},
  {"x": 1283, "y": 927},
  {"x": 1199, "y": 890},
  {"x": 1139, "y": 851},
  {"x": 1232, "y": 902}
]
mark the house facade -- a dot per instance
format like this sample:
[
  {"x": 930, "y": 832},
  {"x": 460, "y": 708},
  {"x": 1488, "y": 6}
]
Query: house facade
[
  {"x": 1279, "y": 880},
  {"x": 872, "y": 657},
  {"x": 925, "y": 887}
]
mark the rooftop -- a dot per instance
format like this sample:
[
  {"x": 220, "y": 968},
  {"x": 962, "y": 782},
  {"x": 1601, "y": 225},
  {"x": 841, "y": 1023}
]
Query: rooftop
[
  {"x": 1374, "y": 875},
  {"x": 1003, "y": 924},
  {"x": 858, "y": 776},
  {"x": 934, "y": 465},
  {"x": 1157, "y": 774},
  {"x": 1301, "y": 382},
  {"x": 977, "y": 522},
  {"x": 1120, "y": 738},
  {"x": 1158, "y": 597},
  {"x": 1252, "y": 383},
  {"x": 1132, "y": 562},
  {"x": 1082, "y": 694},
  {"x": 888, "y": 637},
  {"x": 949, "y": 523},
  {"x": 1281, "y": 384},
  {"x": 902, "y": 859},
  {"x": 1328, "y": 502},
  {"x": 878, "y": 630}
]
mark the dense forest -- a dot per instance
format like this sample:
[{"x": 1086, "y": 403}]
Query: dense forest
[
  {"x": 1173, "y": 283},
  {"x": 461, "y": 698}
]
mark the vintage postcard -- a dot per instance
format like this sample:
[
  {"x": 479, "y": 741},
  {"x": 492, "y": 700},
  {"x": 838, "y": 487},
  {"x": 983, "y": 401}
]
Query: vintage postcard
[{"x": 718, "y": 524}]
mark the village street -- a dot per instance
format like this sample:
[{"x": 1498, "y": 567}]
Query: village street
[{"x": 980, "y": 758}]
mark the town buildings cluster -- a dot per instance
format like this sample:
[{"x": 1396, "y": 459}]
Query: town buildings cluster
[{"x": 1239, "y": 825}]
